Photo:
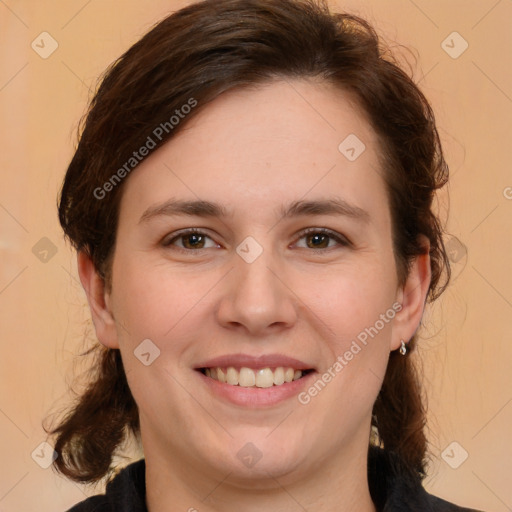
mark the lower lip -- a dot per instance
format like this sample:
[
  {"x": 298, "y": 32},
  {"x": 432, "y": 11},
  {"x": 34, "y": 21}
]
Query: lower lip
[{"x": 256, "y": 397}]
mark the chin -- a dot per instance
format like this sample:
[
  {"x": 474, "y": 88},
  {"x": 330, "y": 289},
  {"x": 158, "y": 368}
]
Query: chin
[
  {"x": 263, "y": 475},
  {"x": 256, "y": 463}
]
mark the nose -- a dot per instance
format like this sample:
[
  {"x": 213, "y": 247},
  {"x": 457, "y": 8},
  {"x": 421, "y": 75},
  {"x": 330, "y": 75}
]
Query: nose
[{"x": 256, "y": 298}]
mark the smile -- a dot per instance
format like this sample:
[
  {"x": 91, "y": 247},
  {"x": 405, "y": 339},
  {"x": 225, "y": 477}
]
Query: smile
[{"x": 249, "y": 377}]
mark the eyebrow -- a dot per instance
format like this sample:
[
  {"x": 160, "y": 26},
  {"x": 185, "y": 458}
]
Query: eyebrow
[{"x": 201, "y": 208}]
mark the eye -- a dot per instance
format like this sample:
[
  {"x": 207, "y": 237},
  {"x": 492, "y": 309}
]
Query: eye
[
  {"x": 190, "y": 239},
  {"x": 321, "y": 238},
  {"x": 315, "y": 238}
]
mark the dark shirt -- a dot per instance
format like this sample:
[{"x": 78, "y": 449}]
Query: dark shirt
[{"x": 393, "y": 488}]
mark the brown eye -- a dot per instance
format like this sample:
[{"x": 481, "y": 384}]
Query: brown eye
[
  {"x": 193, "y": 241},
  {"x": 190, "y": 240},
  {"x": 317, "y": 241},
  {"x": 321, "y": 238}
]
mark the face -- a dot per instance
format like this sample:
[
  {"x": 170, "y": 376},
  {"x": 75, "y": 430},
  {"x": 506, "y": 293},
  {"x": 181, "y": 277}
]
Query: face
[{"x": 288, "y": 273}]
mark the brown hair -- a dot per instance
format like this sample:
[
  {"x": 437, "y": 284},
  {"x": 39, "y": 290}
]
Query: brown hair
[{"x": 199, "y": 52}]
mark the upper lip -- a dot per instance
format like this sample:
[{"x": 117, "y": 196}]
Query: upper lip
[{"x": 255, "y": 362}]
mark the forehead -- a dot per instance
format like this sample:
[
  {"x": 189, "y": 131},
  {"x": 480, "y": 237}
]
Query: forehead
[{"x": 281, "y": 140}]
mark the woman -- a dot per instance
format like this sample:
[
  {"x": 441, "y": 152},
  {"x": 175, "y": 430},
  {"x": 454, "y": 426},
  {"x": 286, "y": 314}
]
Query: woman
[{"x": 251, "y": 202}]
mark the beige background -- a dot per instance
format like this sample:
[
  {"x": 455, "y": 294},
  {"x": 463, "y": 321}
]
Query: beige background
[{"x": 467, "y": 347}]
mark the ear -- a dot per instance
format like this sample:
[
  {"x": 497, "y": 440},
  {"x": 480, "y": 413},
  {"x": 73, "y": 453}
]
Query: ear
[
  {"x": 98, "y": 299},
  {"x": 412, "y": 296}
]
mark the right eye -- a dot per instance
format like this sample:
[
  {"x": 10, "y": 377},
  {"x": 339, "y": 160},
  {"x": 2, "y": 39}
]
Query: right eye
[{"x": 189, "y": 240}]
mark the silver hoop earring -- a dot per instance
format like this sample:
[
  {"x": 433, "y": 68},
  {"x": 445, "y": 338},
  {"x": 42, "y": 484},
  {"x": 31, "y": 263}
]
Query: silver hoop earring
[{"x": 403, "y": 348}]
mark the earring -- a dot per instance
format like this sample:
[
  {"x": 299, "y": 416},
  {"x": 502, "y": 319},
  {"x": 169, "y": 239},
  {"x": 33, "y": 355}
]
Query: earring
[{"x": 403, "y": 348}]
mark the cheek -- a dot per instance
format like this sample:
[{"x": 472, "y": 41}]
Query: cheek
[
  {"x": 150, "y": 300},
  {"x": 355, "y": 312},
  {"x": 350, "y": 299},
  {"x": 151, "y": 303}
]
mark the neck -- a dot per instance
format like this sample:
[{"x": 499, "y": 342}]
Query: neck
[{"x": 339, "y": 483}]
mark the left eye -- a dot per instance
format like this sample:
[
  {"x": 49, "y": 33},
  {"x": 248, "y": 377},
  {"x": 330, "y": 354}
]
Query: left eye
[{"x": 322, "y": 238}]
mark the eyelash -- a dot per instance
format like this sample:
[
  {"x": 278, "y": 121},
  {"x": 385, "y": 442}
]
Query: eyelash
[{"x": 340, "y": 239}]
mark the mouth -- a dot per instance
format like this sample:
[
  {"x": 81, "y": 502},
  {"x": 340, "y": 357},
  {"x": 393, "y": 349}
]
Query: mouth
[
  {"x": 246, "y": 377},
  {"x": 255, "y": 381}
]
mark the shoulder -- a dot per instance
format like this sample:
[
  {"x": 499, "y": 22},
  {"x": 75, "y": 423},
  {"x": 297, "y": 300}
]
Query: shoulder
[
  {"x": 93, "y": 504},
  {"x": 444, "y": 506},
  {"x": 126, "y": 491},
  {"x": 395, "y": 488}
]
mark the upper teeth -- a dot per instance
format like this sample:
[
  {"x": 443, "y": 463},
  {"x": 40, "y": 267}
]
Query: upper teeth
[{"x": 247, "y": 377}]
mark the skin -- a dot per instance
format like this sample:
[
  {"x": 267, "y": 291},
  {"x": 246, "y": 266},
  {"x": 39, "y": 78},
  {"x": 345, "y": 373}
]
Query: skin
[{"x": 253, "y": 151}]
